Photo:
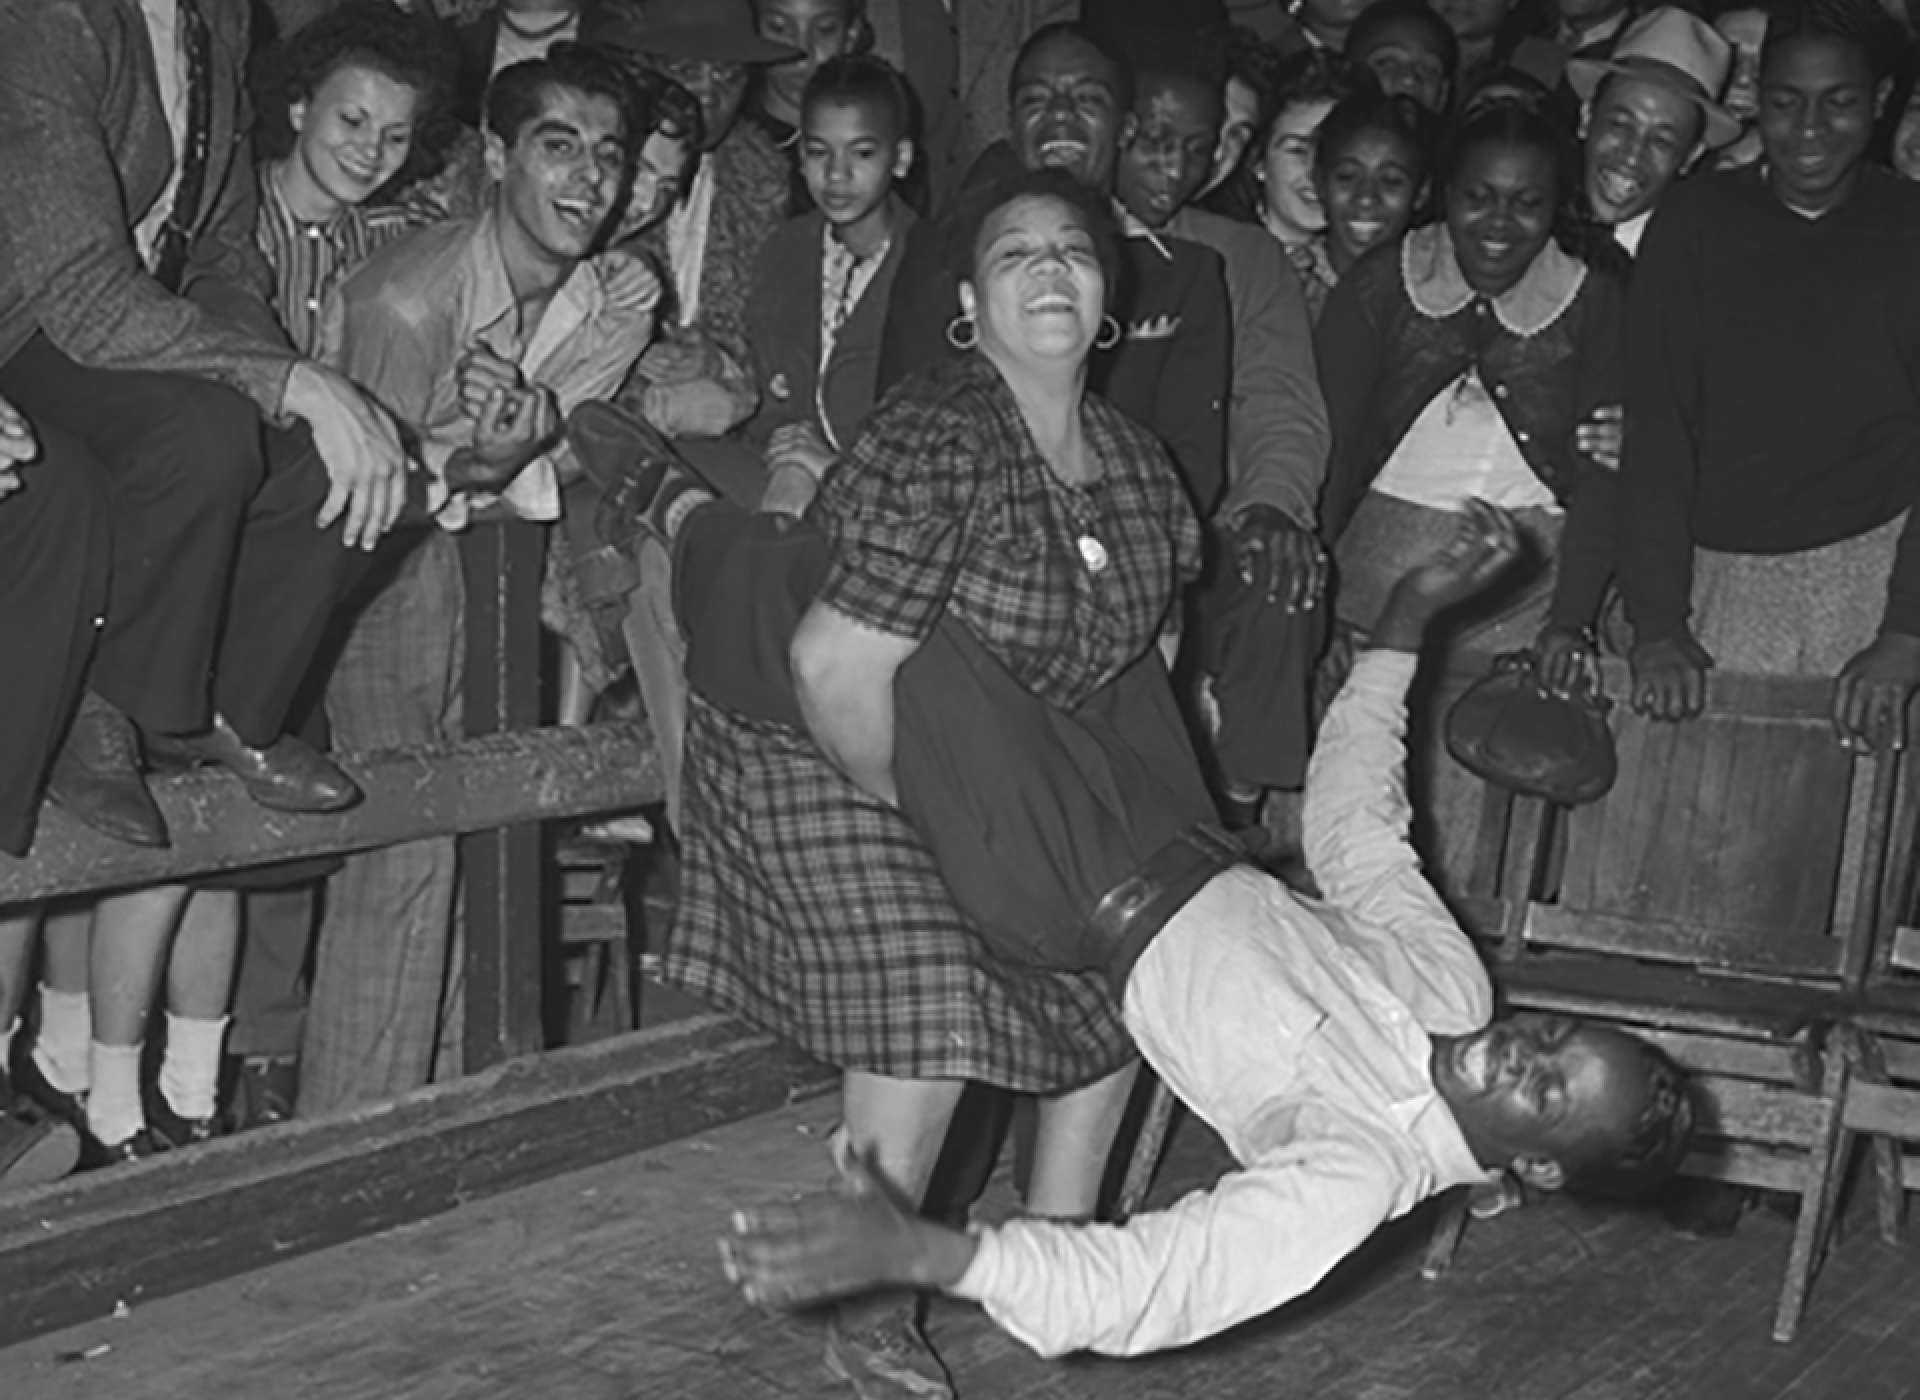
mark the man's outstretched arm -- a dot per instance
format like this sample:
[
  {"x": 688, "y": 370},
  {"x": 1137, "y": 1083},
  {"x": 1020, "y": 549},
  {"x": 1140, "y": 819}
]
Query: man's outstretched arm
[
  {"x": 1261, "y": 1236},
  {"x": 1357, "y": 815}
]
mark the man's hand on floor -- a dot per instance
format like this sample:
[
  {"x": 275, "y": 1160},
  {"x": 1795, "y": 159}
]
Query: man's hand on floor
[{"x": 833, "y": 1244}]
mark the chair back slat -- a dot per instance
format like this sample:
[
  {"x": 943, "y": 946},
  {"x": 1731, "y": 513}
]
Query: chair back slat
[{"x": 1721, "y": 845}]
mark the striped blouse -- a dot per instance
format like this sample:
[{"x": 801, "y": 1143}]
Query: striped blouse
[{"x": 308, "y": 260}]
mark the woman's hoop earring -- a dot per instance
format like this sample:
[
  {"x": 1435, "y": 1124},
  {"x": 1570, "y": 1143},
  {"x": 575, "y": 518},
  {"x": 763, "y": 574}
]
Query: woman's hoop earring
[
  {"x": 963, "y": 332},
  {"x": 1109, "y": 334}
]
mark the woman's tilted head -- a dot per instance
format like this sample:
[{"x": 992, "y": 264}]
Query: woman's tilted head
[
  {"x": 1035, "y": 255},
  {"x": 1506, "y": 176},
  {"x": 356, "y": 88},
  {"x": 1371, "y": 166}
]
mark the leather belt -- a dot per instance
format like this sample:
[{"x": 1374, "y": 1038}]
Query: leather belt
[{"x": 1133, "y": 911}]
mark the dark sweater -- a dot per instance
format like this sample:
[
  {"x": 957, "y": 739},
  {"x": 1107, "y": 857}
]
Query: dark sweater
[{"x": 1773, "y": 385}]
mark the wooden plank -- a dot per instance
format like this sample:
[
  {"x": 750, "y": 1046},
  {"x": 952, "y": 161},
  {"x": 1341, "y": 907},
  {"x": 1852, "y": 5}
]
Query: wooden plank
[
  {"x": 1746, "y": 1111},
  {"x": 469, "y": 786},
  {"x": 502, "y": 869},
  {"x": 73, "y": 1250},
  {"x": 603, "y": 1285},
  {"x": 1694, "y": 945},
  {"x": 1887, "y": 1110},
  {"x": 1725, "y": 1055},
  {"x": 1906, "y": 949}
]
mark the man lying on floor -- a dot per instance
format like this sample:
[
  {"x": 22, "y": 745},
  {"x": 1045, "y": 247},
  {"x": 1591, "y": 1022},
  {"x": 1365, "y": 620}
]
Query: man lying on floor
[{"x": 1341, "y": 1047}]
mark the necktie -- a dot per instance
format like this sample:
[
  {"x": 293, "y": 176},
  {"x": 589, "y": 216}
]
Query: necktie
[{"x": 176, "y": 234}]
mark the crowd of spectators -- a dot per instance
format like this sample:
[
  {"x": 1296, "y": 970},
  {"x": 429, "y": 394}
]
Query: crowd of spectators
[{"x": 287, "y": 307}]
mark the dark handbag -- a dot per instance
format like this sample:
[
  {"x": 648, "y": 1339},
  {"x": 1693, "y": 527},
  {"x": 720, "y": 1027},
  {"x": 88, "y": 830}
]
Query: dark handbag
[{"x": 1511, "y": 730}]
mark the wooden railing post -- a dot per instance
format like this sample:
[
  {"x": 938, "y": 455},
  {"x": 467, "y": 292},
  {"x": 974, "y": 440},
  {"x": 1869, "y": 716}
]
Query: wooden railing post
[{"x": 502, "y": 870}]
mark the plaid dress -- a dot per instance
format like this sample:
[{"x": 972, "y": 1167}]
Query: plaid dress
[{"x": 817, "y": 912}]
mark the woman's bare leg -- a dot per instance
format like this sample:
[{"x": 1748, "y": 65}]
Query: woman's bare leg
[
  {"x": 897, "y": 1125},
  {"x": 1072, "y": 1143}
]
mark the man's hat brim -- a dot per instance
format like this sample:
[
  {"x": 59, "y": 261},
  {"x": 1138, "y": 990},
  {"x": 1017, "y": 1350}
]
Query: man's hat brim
[
  {"x": 711, "y": 43},
  {"x": 1584, "y": 76}
]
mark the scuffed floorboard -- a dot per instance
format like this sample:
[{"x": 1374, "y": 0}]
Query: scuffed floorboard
[{"x": 604, "y": 1284}]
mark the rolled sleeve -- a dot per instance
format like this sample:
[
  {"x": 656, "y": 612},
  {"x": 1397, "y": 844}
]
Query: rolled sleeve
[{"x": 894, "y": 511}]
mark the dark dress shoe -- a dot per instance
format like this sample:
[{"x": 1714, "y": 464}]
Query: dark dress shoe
[
  {"x": 95, "y": 1153},
  {"x": 96, "y": 776},
  {"x": 170, "y": 1130},
  {"x": 35, "y": 1147},
  {"x": 264, "y": 1092},
  {"x": 31, "y": 1084},
  {"x": 288, "y": 775}
]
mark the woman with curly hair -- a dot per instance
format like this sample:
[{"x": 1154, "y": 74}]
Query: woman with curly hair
[{"x": 345, "y": 103}]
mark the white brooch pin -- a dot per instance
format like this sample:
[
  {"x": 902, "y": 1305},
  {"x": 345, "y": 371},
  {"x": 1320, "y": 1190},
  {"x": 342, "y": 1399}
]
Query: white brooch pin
[{"x": 1093, "y": 554}]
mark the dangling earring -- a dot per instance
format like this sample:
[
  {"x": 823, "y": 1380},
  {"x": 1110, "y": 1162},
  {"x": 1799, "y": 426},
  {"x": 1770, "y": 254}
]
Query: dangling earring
[
  {"x": 1109, "y": 334},
  {"x": 963, "y": 332}
]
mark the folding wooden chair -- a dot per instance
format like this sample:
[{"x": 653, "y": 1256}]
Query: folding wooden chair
[{"x": 1721, "y": 900}]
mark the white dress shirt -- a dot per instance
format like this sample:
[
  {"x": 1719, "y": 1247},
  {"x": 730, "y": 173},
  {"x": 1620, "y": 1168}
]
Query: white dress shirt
[
  {"x": 170, "y": 75},
  {"x": 1299, "y": 1031}
]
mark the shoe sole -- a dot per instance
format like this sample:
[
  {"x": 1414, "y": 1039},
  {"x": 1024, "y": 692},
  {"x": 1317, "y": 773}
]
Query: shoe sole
[
  {"x": 917, "y": 1387},
  {"x": 48, "y": 1158}
]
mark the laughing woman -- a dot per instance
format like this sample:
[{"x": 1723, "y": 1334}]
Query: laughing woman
[
  {"x": 358, "y": 88},
  {"x": 1461, "y": 361},
  {"x": 1371, "y": 166},
  {"x": 991, "y": 509}
]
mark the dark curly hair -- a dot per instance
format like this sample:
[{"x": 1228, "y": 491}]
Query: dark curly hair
[
  {"x": 979, "y": 203},
  {"x": 1372, "y": 110},
  {"x": 411, "y": 49},
  {"x": 1860, "y": 24},
  {"x": 1655, "y": 1145},
  {"x": 663, "y": 107},
  {"x": 513, "y": 98},
  {"x": 1384, "y": 15},
  {"x": 864, "y": 80}
]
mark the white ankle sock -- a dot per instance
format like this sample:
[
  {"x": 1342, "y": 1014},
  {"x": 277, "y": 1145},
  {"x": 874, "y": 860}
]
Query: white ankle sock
[
  {"x": 6, "y": 1045},
  {"x": 66, "y": 1030},
  {"x": 114, "y": 1113},
  {"x": 190, "y": 1070}
]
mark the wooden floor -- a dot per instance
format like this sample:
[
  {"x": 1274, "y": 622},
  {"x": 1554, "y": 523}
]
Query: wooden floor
[{"x": 604, "y": 1284}]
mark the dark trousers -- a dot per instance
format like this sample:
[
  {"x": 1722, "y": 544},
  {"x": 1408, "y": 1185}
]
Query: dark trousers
[
  {"x": 54, "y": 552},
  {"x": 221, "y": 587},
  {"x": 1261, "y": 659}
]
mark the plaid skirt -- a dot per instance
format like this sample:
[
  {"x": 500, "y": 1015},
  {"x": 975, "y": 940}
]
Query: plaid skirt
[{"x": 817, "y": 913}]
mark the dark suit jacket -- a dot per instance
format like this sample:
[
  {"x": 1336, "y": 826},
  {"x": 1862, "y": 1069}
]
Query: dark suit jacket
[
  {"x": 84, "y": 152},
  {"x": 783, "y": 324},
  {"x": 1172, "y": 371}
]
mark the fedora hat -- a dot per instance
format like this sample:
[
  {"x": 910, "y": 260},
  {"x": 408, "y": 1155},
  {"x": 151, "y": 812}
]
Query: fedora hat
[
  {"x": 1674, "y": 50},
  {"x": 716, "y": 31}
]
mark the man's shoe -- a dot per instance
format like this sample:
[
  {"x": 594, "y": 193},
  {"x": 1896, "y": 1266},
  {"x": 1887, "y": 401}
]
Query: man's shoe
[
  {"x": 638, "y": 473},
  {"x": 876, "y": 1346},
  {"x": 137, "y": 1148},
  {"x": 288, "y": 775},
  {"x": 35, "y": 1147},
  {"x": 170, "y": 1130},
  {"x": 263, "y": 1092},
  {"x": 96, "y": 776},
  {"x": 30, "y": 1082}
]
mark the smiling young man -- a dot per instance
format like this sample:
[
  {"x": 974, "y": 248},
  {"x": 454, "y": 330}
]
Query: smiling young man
[
  {"x": 479, "y": 334},
  {"x": 1650, "y": 113},
  {"x": 1168, "y": 361},
  {"x": 1257, "y": 622},
  {"x": 1340, "y": 1046},
  {"x": 1773, "y": 334}
]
